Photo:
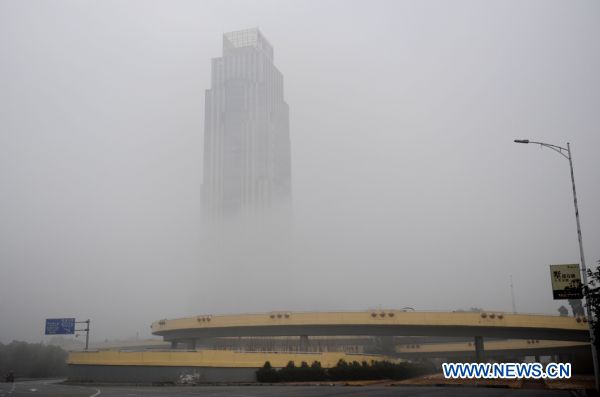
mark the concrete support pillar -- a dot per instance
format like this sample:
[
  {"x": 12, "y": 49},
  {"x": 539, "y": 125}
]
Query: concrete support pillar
[
  {"x": 387, "y": 345},
  {"x": 479, "y": 351},
  {"x": 537, "y": 358},
  {"x": 173, "y": 344},
  {"x": 304, "y": 343},
  {"x": 191, "y": 344},
  {"x": 204, "y": 343}
]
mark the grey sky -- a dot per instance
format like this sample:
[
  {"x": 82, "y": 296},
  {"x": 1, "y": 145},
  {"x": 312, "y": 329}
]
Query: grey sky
[{"x": 408, "y": 189}]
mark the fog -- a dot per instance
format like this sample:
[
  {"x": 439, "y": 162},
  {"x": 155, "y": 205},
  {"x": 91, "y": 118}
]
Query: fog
[{"x": 407, "y": 187}]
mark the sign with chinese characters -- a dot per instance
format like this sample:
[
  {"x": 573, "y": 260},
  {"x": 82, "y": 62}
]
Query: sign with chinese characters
[
  {"x": 566, "y": 281},
  {"x": 60, "y": 326}
]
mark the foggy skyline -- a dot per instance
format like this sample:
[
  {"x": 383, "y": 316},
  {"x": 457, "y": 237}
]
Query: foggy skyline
[{"x": 408, "y": 188}]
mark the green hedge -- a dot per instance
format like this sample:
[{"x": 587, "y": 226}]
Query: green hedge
[{"x": 343, "y": 371}]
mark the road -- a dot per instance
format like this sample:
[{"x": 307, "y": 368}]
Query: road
[{"x": 53, "y": 388}]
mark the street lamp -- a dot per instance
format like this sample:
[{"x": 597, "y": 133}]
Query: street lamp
[{"x": 566, "y": 153}]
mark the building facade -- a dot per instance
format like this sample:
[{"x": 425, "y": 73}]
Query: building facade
[{"x": 247, "y": 164}]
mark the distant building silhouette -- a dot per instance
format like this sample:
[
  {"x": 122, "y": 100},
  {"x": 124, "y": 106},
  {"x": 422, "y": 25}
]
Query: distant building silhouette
[{"x": 246, "y": 132}]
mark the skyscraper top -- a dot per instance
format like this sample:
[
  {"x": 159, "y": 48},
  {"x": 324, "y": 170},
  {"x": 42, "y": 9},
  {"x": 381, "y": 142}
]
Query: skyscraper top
[
  {"x": 247, "y": 159},
  {"x": 247, "y": 38}
]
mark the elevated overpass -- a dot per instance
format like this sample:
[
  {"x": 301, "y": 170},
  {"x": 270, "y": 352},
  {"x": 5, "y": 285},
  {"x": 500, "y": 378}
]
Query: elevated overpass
[
  {"x": 457, "y": 335},
  {"x": 375, "y": 323}
]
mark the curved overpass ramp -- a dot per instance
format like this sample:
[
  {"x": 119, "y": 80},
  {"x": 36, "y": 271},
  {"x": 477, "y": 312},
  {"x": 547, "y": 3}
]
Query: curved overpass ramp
[
  {"x": 553, "y": 335},
  {"x": 376, "y": 323}
]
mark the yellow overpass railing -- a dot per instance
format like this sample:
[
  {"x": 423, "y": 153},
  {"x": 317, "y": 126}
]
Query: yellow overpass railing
[
  {"x": 490, "y": 346},
  {"x": 212, "y": 358},
  {"x": 378, "y": 317}
]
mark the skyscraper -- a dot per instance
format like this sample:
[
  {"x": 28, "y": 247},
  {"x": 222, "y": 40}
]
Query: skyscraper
[{"x": 246, "y": 132}]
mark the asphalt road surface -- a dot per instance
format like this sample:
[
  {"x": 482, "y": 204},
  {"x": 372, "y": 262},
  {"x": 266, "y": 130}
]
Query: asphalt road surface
[{"x": 53, "y": 388}]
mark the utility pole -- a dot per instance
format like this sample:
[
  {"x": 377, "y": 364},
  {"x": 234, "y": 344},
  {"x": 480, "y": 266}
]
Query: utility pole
[{"x": 512, "y": 296}]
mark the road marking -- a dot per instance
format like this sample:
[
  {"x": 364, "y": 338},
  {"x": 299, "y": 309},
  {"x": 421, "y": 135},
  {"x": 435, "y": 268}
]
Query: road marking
[
  {"x": 97, "y": 393},
  {"x": 33, "y": 390}
]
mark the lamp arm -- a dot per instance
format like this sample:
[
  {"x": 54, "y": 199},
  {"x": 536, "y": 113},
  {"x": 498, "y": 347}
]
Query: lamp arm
[{"x": 558, "y": 149}]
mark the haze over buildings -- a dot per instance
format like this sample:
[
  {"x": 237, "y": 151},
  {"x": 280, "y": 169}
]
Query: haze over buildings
[{"x": 407, "y": 187}]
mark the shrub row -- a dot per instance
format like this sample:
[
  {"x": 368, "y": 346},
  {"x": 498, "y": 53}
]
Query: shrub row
[{"x": 342, "y": 371}]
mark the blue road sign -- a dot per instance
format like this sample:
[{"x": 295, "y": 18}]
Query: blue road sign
[{"x": 60, "y": 326}]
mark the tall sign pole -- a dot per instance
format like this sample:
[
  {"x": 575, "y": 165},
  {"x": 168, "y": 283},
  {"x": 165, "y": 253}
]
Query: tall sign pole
[
  {"x": 561, "y": 150},
  {"x": 66, "y": 326},
  {"x": 588, "y": 308},
  {"x": 87, "y": 332}
]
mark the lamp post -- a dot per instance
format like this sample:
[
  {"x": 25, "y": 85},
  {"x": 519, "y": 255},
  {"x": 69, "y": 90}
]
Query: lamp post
[{"x": 566, "y": 153}]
